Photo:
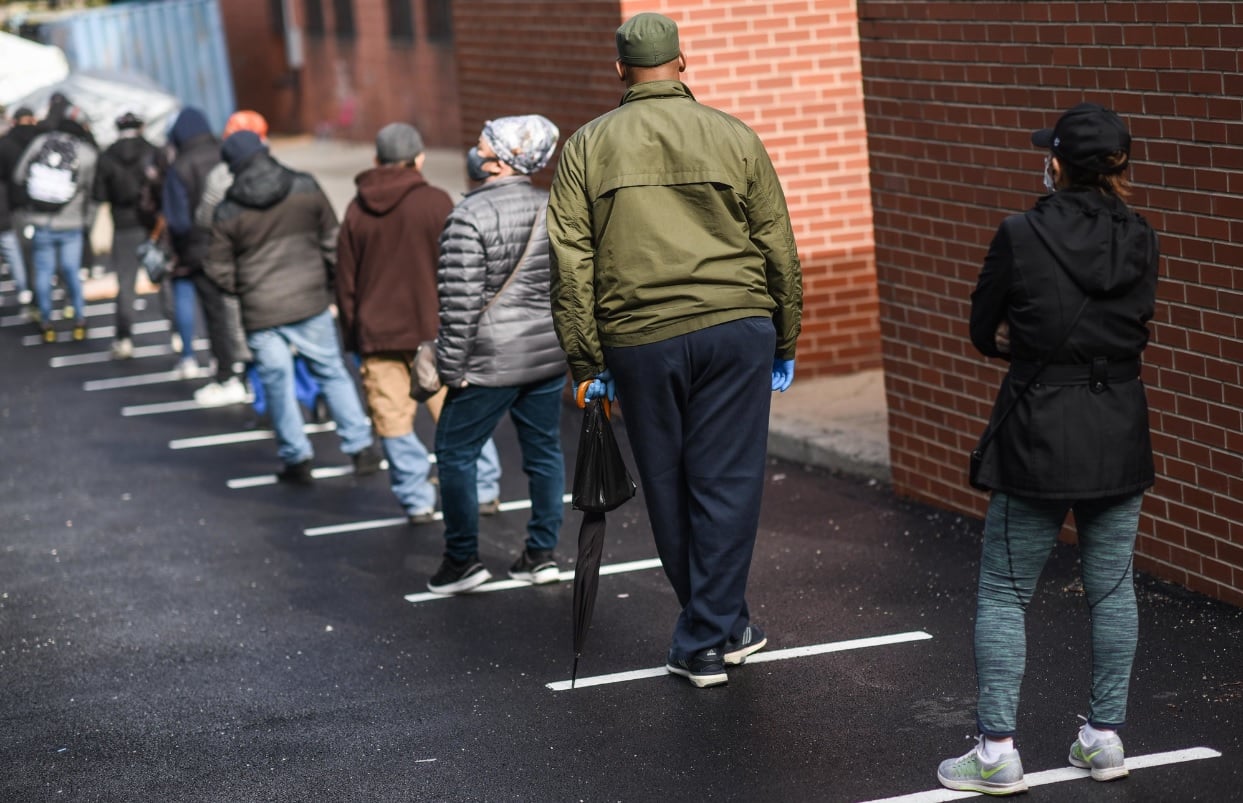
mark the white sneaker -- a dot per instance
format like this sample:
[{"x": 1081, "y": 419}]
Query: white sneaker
[
  {"x": 122, "y": 349},
  {"x": 175, "y": 342},
  {"x": 24, "y": 297},
  {"x": 220, "y": 394},
  {"x": 187, "y": 368}
]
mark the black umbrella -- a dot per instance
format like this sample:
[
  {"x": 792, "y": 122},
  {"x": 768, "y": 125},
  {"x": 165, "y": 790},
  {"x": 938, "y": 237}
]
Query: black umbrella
[{"x": 601, "y": 483}]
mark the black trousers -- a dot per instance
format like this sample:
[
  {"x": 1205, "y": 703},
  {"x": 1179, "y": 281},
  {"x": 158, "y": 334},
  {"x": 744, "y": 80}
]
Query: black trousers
[
  {"x": 124, "y": 262},
  {"x": 696, "y": 413},
  {"x": 224, "y": 327}
]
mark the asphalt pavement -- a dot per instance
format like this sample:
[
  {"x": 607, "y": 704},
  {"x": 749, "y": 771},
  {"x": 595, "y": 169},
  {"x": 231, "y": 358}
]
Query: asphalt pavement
[{"x": 174, "y": 626}]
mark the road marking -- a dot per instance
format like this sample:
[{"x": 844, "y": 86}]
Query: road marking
[
  {"x": 1057, "y": 775},
  {"x": 101, "y": 333},
  {"x": 158, "y": 378},
  {"x": 243, "y": 437},
  {"x": 140, "y": 352},
  {"x": 176, "y": 407},
  {"x": 375, "y": 524},
  {"x": 325, "y": 473},
  {"x": 564, "y": 577},
  {"x": 89, "y": 311},
  {"x": 758, "y": 658}
]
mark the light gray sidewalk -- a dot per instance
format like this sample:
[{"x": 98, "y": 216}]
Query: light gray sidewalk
[{"x": 838, "y": 422}]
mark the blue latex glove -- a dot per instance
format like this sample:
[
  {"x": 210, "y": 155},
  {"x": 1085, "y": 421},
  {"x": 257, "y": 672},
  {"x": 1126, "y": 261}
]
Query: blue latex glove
[
  {"x": 602, "y": 385},
  {"x": 783, "y": 374}
]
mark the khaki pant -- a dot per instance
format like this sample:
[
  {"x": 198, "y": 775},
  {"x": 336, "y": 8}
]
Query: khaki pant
[{"x": 386, "y": 385}]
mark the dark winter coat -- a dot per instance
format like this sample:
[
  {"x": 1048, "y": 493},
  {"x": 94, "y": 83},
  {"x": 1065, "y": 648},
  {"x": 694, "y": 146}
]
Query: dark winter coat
[
  {"x": 386, "y": 261},
  {"x": 274, "y": 244},
  {"x": 12, "y": 145},
  {"x": 120, "y": 177},
  {"x": 512, "y": 343},
  {"x": 1081, "y": 431},
  {"x": 197, "y": 153}
]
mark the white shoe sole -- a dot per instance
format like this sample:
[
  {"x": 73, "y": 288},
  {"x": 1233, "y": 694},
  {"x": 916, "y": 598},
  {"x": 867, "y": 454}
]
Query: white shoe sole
[
  {"x": 698, "y": 681},
  {"x": 463, "y": 585},
  {"x": 739, "y": 656},
  {"x": 541, "y": 578}
]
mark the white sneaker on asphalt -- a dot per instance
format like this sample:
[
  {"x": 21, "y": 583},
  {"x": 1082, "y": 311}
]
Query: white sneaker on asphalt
[
  {"x": 122, "y": 349},
  {"x": 220, "y": 394},
  {"x": 187, "y": 368},
  {"x": 24, "y": 297}
]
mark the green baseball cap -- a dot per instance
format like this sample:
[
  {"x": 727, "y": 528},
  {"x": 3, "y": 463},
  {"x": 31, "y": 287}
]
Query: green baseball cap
[{"x": 647, "y": 40}]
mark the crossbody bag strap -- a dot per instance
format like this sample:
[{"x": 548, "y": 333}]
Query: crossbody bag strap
[
  {"x": 992, "y": 430},
  {"x": 538, "y": 226}
]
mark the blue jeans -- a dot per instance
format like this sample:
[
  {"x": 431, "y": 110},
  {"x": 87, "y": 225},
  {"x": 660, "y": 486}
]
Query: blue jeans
[
  {"x": 409, "y": 465},
  {"x": 316, "y": 341},
  {"x": 1019, "y": 533},
  {"x": 52, "y": 248},
  {"x": 466, "y": 423},
  {"x": 306, "y": 389},
  {"x": 11, "y": 250},
  {"x": 185, "y": 308}
]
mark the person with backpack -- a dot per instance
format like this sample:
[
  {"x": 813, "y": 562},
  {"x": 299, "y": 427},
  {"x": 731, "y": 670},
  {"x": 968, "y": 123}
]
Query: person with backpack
[
  {"x": 119, "y": 183},
  {"x": 56, "y": 175}
]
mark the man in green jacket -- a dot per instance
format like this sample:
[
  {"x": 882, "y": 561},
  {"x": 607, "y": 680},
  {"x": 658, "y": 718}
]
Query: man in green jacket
[{"x": 676, "y": 282}]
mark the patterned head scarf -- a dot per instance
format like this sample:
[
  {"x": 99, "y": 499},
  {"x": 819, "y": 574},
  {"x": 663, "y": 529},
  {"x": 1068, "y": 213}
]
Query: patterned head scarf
[{"x": 525, "y": 143}]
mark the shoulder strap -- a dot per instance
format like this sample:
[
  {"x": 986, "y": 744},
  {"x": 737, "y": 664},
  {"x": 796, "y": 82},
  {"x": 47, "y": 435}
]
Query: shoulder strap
[{"x": 539, "y": 225}]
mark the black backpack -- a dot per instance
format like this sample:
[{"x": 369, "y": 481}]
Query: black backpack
[{"x": 52, "y": 173}]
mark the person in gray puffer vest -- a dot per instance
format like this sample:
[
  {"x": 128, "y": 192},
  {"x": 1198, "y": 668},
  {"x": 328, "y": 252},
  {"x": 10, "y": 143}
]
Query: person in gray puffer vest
[
  {"x": 274, "y": 246},
  {"x": 497, "y": 350}
]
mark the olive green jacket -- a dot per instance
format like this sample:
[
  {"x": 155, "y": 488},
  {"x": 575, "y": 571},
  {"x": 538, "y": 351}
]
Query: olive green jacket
[{"x": 666, "y": 217}]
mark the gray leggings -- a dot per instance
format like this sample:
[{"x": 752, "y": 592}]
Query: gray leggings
[{"x": 1019, "y": 534}]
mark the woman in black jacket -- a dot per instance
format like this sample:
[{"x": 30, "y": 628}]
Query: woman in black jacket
[{"x": 1065, "y": 295}]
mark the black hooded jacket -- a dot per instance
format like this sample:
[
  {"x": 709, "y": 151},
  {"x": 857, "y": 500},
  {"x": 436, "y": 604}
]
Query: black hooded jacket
[
  {"x": 1071, "y": 436},
  {"x": 120, "y": 177},
  {"x": 12, "y": 145},
  {"x": 274, "y": 244}
]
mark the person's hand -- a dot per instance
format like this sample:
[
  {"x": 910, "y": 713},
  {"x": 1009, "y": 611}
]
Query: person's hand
[
  {"x": 783, "y": 374},
  {"x": 1001, "y": 338},
  {"x": 602, "y": 385}
]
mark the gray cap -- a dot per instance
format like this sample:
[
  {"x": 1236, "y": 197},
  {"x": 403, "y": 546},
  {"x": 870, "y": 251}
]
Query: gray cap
[
  {"x": 397, "y": 143},
  {"x": 647, "y": 40}
]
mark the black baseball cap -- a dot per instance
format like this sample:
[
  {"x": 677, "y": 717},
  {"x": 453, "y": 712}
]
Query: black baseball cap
[{"x": 1086, "y": 136}]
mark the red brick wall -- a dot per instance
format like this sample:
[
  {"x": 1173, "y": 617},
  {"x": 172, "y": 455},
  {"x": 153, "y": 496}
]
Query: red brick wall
[
  {"x": 953, "y": 90},
  {"x": 788, "y": 69},
  {"x": 348, "y": 87}
]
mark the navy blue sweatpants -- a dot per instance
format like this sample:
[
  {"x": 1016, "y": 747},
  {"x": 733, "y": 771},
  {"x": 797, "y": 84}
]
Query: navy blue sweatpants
[{"x": 696, "y": 412}]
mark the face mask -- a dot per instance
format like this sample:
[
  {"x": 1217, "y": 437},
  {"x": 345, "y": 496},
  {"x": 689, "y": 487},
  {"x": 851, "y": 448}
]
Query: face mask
[
  {"x": 475, "y": 163},
  {"x": 1048, "y": 175}
]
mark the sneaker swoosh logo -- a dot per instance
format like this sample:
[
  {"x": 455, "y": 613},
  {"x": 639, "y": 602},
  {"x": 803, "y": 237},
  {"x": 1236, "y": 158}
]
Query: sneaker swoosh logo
[
  {"x": 1097, "y": 752},
  {"x": 987, "y": 773}
]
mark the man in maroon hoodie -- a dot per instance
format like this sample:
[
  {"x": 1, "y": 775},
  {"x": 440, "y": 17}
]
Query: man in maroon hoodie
[{"x": 387, "y": 255}]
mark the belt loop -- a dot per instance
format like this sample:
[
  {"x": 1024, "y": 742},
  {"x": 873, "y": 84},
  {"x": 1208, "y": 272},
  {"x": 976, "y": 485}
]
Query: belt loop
[{"x": 1098, "y": 380}]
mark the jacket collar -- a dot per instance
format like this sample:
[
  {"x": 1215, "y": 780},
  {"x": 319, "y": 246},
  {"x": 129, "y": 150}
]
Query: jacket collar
[
  {"x": 498, "y": 183},
  {"x": 657, "y": 89}
]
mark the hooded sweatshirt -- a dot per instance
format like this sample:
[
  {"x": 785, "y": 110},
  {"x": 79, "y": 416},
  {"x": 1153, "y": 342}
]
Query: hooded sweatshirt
[
  {"x": 12, "y": 197},
  {"x": 1066, "y": 439},
  {"x": 273, "y": 244},
  {"x": 386, "y": 261},
  {"x": 197, "y": 153},
  {"x": 121, "y": 175}
]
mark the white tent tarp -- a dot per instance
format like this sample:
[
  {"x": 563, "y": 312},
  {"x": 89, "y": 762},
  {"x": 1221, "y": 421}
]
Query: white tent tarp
[
  {"x": 105, "y": 95},
  {"x": 26, "y": 66}
]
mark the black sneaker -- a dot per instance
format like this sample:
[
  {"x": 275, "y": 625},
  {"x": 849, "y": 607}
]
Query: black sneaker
[
  {"x": 535, "y": 566},
  {"x": 296, "y": 473},
  {"x": 368, "y": 461},
  {"x": 706, "y": 668},
  {"x": 455, "y": 578},
  {"x": 737, "y": 650}
]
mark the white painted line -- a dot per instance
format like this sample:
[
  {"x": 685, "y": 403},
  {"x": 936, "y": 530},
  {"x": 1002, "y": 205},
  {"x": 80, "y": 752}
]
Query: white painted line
[
  {"x": 759, "y": 657},
  {"x": 176, "y": 407},
  {"x": 90, "y": 311},
  {"x": 564, "y": 577},
  {"x": 1058, "y": 775},
  {"x": 325, "y": 473},
  {"x": 243, "y": 437},
  {"x": 375, "y": 524},
  {"x": 101, "y": 332},
  {"x": 158, "y": 378},
  {"x": 140, "y": 352}
]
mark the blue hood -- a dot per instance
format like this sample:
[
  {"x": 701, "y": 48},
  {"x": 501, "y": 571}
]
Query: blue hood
[{"x": 190, "y": 123}]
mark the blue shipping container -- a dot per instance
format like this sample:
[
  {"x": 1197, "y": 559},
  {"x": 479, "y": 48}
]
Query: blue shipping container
[{"x": 178, "y": 43}]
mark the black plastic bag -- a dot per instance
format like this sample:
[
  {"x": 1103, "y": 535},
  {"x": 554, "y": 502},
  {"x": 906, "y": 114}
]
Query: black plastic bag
[{"x": 601, "y": 480}]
